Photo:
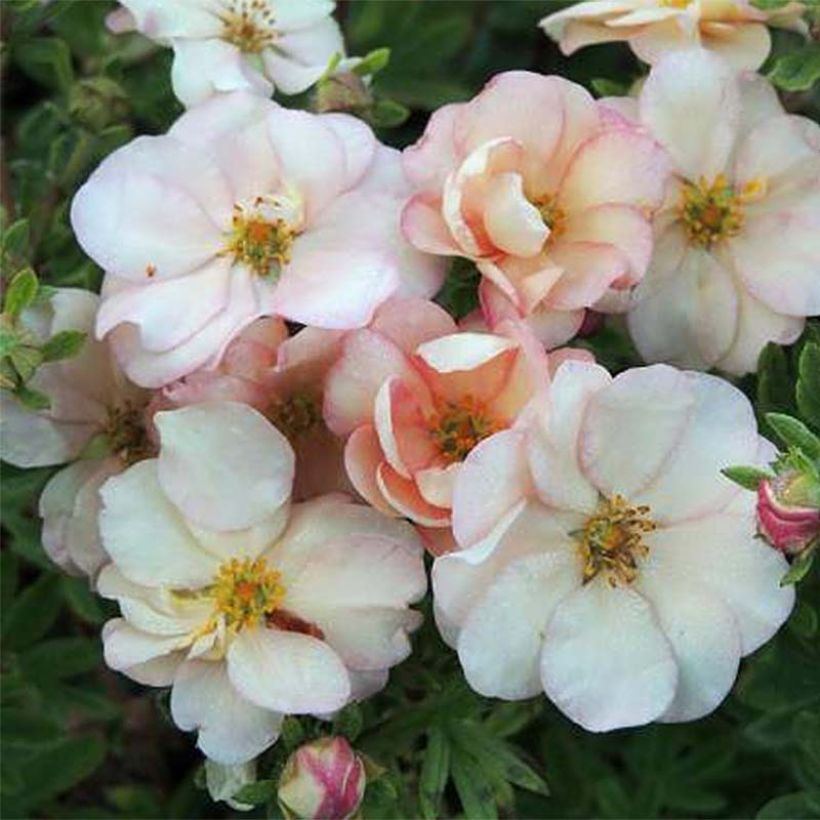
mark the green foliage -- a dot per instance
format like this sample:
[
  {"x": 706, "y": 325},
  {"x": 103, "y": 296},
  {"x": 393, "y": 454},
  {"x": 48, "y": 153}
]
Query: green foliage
[{"x": 798, "y": 71}]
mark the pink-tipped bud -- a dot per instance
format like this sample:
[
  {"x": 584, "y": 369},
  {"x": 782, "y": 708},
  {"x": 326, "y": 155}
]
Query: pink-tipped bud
[
  {"x": 322, "y": 780},
  {"x": 786, "y": 525}
]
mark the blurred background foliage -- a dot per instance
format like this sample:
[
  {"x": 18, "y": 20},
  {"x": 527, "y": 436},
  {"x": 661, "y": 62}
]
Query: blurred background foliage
[{"x": 80, "y": 741}]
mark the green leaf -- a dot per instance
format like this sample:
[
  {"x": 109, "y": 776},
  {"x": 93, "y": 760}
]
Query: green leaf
[
  {"x": 63, "y": 345},
  {"x": 257, "y": 793},
  {"x": 795, "y": 434},
  {"x": 33, "y": 613},
  {"x": 473, "y": 787},
  {"x": 26, "y": 729},
  {"x": 21, "y": 292},
  {"x": 787, "y": 807},
  {"x": 61, "y": 658},
  {"x": 808, "y": 384},
  {"x": 33, "y": 399},
  {"x": 26, "y": 360},
  {"x": 81, "y": 600},
  {"x": 388, "y": 113},
  {"x": 62, "y": 767},
  {"x": 47, "y": 60},
  {"x": 609, "y": 88},
  {"x": 775, "y": 385},
  {"x": 16, "y": 238},
  {"x": 797, "y": 70},
  {"x": 746, "y": 477},
  {"x": 435, "y": 771},
  {"x": 373, "y": 62},
  {"x": 800, "y": 568},
  {"x": 349, "y": 722}
]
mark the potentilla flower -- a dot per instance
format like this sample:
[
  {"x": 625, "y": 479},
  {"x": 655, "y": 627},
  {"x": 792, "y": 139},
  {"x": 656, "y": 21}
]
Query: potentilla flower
[
  {"x": 733, "y": 29},
  {"x": 322, "y": 780},
  {"x": 96, "y": 423},
  {"x": 737, "y": 250},
  {"x": 608, "y": 563},
  {"x": 244, "y": 209},
  {"x": 535, "y": 183},
  {"x": 784, "y": 515},
  {"x": 249, "y": 608},
  {"x": 238, "y": 45}
]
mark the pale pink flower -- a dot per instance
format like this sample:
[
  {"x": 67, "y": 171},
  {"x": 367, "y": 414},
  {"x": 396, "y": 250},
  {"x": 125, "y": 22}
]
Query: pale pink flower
[
  {"x": 237, "y": 45},
  {"x": 737, "y": 247},
  {"x": 607, "y": 561},
  {"x": 244, "y": 209},
  {"x": 96, "y": 423},
  {"x": 249, "y": 608},
  {"x": 322, "y": 780},
  {"x": 532, "y": 181},
  {"x": 735, "y": 30}
]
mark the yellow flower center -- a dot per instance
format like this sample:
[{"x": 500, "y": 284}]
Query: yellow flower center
[
  {"x": 296, "y": 415},
  {"x": 127, "y": 437},
  {"x": 713, "y": 211},
  {"x": 248, "y": 24},
  {"x": 675, "y": 4},
  {"x": 612, "y": 540},
  {"x": 245, "y": 592},
  {"x": 458, "y": 426},
  {"x": 553, "y": 217},
  {"x": 260, "y": 237}
]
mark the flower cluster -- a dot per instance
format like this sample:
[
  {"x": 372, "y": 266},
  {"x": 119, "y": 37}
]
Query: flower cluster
[{"x": 270, "y": 420}]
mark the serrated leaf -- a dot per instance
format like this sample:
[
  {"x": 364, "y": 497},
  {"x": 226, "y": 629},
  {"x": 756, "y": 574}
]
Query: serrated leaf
[
  {"x": 63, "y": 345},
  {"x": 435, "y": 771},
  {"x": 797, "y": 70},
  {"x": 33, "y": 613},
  {"x": 473, "y": 788},
  {"x": 257, "y": 793},
  {"x": 16, "y": 238},
  {"x": 794, "y": 433},
  {"x": 746, "y": 477},
  {"x": 799, "y": 569},
  {"x": 808, "y": 384},
  {"x": 21, "y": 292}
]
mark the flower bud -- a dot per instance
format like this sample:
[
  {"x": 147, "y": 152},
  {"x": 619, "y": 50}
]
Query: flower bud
[
  {"x": 97, "y": 102},
  {"x": 324, "y": 779},
  {"x": 783, "y": 517}
]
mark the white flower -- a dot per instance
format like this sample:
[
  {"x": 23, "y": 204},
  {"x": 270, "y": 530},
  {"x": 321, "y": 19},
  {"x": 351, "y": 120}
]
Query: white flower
[
  {"x": 607, "y": 561},
  {"x": 737, "y": 245},
  {"x": 248, "y": 608},
  {"x": 233, "y": 45}
]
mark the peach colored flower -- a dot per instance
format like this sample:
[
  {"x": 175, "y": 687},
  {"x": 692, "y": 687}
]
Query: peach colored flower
[
  {"x": 735, "y": 30},
  {"x": 736, "y": 262},
  {"x": 240, "y": 211},
  {"x": 606, "y": 561},
  {"x": 544, "y": 192}
]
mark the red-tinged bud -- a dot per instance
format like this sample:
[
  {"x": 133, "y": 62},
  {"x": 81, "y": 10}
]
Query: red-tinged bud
[
  {"x": 786, "y": 525},
  {"x": 322, "y": 780},
  {"x": 591, "y": 324}
]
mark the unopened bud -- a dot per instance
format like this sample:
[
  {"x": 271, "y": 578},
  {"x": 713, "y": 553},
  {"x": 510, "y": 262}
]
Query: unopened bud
[
  {"x": 784, "y": 519},
  {"x": 97, "y": 102}
]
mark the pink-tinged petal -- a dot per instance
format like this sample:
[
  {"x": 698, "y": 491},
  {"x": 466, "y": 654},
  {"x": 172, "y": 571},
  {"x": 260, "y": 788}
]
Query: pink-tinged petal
[
  {"x": 553, "y": 446},
  {"x": 401, "y": 421},
  {"x": 512, "y": 222},
  {"x": 120, "y": 21},
  {"x": 777, "y": 146},
  {"x": 287, "y": 672},
  {"x": 525, "y": 282},
  {"x": 705, "y": 641},
  {"x": 606, "y": 664},
  {"x": 568, "y": 354},
  {"x": 685, "y": 313},
  {"x": 428, "y": 162},
  {"x": 410, "y": 322},
  {"x": 122, "y": 213},
  {"x": 500, "y": 645},
  {"x": 203, "y": 68},
  {"x": 146, "y": 536},
  {"x": 720, "y": 431},
  {"x": 683, "y": 92},
  {"x": 720, "y": 553},
  {"x": 508, "y": 107},
  {"x": 624, "y": 227},
  {"x": 590, "y": 269},
  {"x": 312, "y": 156},
  {"x": 643, "y": 411},
  {"x": 493, "y": 479},
  {"x": 437, "y": 541},
  {"x": 744, "y": 46},
  {"x": 620, "y": 166},
  {"x": 306, "y": 356},
  {"x": 463, "y": 196},
  {"x": 363, "y": 455},
  {"x": 231, "y": 729},
  {"x": 359, "y": 144},
  {"x": 423, "y": 225},
  {"x": 164, "y": 311},
  {"x": 224, "y": 464},
  {"x": 367, "y": 360},
  {"x": 404, "y": 496},
  {"x": 436, "y": 484}
]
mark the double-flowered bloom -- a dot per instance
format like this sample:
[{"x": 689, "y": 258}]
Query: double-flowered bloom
[
  {"x": 606, "y": 561},
  {"x": 250, "y": 608},
  {"x": 244, "y": 209}
]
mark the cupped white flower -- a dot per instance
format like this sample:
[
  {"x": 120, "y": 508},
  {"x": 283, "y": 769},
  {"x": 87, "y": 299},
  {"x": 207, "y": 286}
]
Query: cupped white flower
[
  {"x": 96, "y": 419},
  {"x": 248, "y": 608},
  {"x": 736, "y": 262},
  {"x": 244, "y": 209},
  {"x": 239, "y": 45},
  {"x": 617, "y": 570}
]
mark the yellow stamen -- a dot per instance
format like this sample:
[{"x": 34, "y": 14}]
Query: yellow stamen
[
  {"x": 249, "y": 25},
  {"x": 458, "y": 426},
  {"x": 296, "y": 415},
  {"x": 553, "y": 216},
  {"x": 245, "y": 592},
  {"x": 261, "y": 242},
  {"x": 612, "y": 540}
]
